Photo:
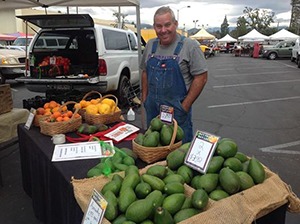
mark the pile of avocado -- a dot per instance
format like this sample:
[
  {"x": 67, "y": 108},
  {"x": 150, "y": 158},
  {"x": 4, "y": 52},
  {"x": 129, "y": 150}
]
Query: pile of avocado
[
  {"x": 229, "y": 171},
  {"x": 159, "y": 134},
  {"x": 156, "y": 196},
  {"x": 120, "y": 161},
  {"x": 88, "y": 129}
]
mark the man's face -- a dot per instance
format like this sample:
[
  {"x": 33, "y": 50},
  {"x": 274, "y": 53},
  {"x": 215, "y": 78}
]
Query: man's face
[{"x": 165, "y": 28}]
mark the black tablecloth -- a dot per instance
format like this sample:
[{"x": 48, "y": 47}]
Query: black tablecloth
[{"x": 48, "y": 183}]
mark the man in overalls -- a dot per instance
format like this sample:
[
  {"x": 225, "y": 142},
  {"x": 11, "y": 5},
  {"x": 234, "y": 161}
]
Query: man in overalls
[{"x": 174, "y": 72}]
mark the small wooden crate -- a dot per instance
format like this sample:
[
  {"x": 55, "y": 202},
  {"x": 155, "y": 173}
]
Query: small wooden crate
[{"x": 6, "y": 102}]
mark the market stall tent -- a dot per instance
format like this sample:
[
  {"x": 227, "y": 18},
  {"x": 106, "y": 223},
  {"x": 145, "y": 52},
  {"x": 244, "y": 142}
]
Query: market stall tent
[
  {"x": 227, "y": 38},
  {"x": 202, "y": 35},
  {"x": 253, "y": 36},
  {"x": 283, "y": 34}
]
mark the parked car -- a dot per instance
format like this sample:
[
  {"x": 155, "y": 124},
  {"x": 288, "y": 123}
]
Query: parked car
[
  {"x": 207, "y": 51},
  {"x": 70, "y": 53},
  {"x": 282, "y": 49},
  {"x": 296, "y": 52},
  {"x": 20, "y": 42},
  {"x": 12, "y": 64}
]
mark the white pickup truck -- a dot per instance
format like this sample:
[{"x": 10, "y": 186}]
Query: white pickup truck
[{"x": 70, "y": 52}]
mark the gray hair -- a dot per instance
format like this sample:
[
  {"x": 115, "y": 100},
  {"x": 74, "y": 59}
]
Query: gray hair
[{"x": 163, "y": 10}]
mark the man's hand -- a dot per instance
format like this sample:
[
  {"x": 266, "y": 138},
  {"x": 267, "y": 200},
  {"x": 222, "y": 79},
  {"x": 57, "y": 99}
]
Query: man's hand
[{"x": 195, "y": 90}]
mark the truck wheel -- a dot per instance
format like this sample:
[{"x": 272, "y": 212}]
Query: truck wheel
[
  {"x": 298, "y": 62},
  {"x": 272, "y": 56},
  {"x": 123, "y": 90},
  {"x": 292, "y": 59}
]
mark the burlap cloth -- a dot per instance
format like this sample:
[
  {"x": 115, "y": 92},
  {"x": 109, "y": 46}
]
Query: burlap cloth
[{"x": 241, "y": 208}]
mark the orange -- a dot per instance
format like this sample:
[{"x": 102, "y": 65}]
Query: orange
[
  {"x": 54, "y": 109},
  {"x": 46, "y": 105},
  {"x": 83, "y": 103},
  {"x": 47, "y": 112},
  {"x": 69, "y": 113},
  {"x": 64, "y": 108},
  {"x": 40, "y": 111},
  {"x": 66, "y": 118},
  {"x": 56, "y": 114},
  {"x": 77, "y": 106},
  {"x": 52, "y": 104},
  {"x": 94, "y": 101},
  {"x": 76, "y": 115},
  {"x": 58, "y": 119}
]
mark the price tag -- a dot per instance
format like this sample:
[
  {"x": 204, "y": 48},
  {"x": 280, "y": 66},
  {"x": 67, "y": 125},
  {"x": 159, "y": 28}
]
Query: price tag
[
  {"x": 201, "y": 151},
  {"x": 52, "y": 60},
  {"x": 30, "y": 118},
  {"x": 166, "y": 114},
  {"x": 96, "y": 209}
]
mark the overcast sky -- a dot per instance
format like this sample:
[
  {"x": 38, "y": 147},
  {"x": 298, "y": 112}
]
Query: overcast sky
[{"x": 209, "y": 13}]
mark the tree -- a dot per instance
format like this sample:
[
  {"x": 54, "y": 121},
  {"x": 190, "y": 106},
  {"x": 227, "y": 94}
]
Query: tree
[
  {"x": 295, "y": 17},
  {"x": 224, "y": 27},
  {"x": 241, "y": 27},
  {"x": 259, "y": 19}
]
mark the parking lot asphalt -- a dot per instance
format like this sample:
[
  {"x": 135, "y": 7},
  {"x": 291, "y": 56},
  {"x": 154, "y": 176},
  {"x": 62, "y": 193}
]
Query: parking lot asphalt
[{"x": 256, "y": 102}]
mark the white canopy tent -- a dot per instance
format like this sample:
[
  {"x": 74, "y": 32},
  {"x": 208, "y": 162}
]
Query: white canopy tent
[
  {"x": 227, "y": 38},
  {"x": 202, "y": 35},
  {"x": 283, "y": 34},
  {"x": 253, "y": 36}
]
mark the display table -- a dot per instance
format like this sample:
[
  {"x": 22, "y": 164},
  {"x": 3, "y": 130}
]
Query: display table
[{"x": 49, "y": 186}]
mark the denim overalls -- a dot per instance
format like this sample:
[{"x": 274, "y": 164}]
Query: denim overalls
[{"x": 166, "y": 86}]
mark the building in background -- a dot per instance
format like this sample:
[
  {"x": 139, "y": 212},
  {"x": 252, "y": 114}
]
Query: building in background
[{"x": 10, "y": 24}]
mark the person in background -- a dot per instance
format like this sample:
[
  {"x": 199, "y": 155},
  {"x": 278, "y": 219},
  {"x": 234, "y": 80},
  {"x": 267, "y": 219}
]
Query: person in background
[{"x": 174, "y": 72}]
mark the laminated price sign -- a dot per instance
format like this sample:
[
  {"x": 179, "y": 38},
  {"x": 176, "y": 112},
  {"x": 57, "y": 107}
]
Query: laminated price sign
[
  {"x": 166, "y": 114},
  {"x": 30, "y": 118},
  {"x": 201, "y": 151},
  {"x": 96, "y": 209}
]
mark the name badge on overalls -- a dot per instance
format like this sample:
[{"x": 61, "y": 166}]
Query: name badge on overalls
[{"x": 166, "y": 114}]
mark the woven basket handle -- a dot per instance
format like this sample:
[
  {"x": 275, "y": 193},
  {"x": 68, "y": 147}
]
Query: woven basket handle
[
  {"x": 90, "y": 93},
  {"x": 68, "y": 103},
  {"x": 174, "y": 133},
  {"x": 108, "y": 96}
]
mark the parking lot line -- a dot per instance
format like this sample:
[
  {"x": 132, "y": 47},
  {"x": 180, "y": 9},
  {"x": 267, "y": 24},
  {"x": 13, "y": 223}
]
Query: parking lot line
[
  {"x": 251, "y": 74},
  {"x": 278, "y": 148},
  {"x": 253, "y": 102},
  {"x": 256, "y": 83}
]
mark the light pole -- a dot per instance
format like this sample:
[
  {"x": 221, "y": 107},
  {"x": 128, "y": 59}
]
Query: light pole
[
  {"x": 179, "y": 10},
  {"x": 195, "y": 22}
]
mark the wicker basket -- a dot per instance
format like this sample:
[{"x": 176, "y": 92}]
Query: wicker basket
[
  {"x": 153, "y": 154},
  {"x": 82, "y": 111},
  {"x": 53, "y": 128},
  {"x": 6, "y": 102},
  {"x": 104, "y": 118},
  {"x": 37, "y": 118}
]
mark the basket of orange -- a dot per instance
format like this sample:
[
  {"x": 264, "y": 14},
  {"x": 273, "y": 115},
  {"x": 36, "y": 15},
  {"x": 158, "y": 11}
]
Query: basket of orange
[
  {"x": 106, "y": 111},
  {"x": 46, "y": 111},
  {"x": 92, "y": 97},
  {"x": 61, "y": 121}
]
